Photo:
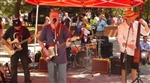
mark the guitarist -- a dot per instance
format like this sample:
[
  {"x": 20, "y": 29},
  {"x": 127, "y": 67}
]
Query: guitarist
[
  {"x": 48, "y": 35},
  {"x": 130, "y": 26},
  {"x": 17, "y": 31}
]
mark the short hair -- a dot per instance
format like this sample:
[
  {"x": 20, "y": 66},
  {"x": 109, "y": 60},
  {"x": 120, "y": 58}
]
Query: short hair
[
  {"x": 83, "y": 24},
  {"x": 144, "y": 37},
  {"x": 54, "y": 11}
]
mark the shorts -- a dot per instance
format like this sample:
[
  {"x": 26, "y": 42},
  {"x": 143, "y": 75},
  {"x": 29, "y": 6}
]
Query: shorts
[
  {"x": 130, "y": 63},
  {"x": 99, "y": 33}
]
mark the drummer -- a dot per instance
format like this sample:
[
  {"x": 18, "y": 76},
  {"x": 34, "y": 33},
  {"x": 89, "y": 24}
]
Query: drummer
[
  {"x": 84, "y": 36},
  {"x": 145, "y": 46}
]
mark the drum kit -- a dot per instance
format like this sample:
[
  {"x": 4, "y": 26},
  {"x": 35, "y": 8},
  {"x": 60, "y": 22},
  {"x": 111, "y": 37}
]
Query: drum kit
[{"x": 83, "y": 57}]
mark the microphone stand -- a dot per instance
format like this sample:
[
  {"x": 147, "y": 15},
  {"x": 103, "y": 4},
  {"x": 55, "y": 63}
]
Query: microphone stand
[{"x": 125, "y": 55}]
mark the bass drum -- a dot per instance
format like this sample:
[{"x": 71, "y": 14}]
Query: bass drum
[
  {"x": 144, "y": 57},
  {"x": 81, "y": 59}
]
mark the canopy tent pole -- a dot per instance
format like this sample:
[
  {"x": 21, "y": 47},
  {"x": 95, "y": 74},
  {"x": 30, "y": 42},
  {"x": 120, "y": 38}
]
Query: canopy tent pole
[{"x": 36, "y": 27}]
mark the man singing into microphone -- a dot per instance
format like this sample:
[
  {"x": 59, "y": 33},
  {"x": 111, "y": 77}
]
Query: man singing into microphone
[
  {"x": 58, "y": 61},
  {"x": 131, "y": 26}
]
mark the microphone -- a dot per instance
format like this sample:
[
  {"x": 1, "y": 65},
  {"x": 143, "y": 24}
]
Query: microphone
[
  {"x": 54, "y": 20},
  {"x": 131, "y": 25}
]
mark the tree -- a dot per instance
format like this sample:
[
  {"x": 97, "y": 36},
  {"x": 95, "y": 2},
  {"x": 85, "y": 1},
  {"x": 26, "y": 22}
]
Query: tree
[
  {"x": 17, "y": 8},
  {"x": 146, "y": 10},
  {"x": 14, "y": 7}
]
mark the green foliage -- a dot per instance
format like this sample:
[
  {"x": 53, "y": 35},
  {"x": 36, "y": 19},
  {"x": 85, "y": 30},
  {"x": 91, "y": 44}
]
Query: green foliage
[
  {"x": 6, "y": 26},
  {"x": 146, "y": 11},
  {"x": 8, "y": 7}
]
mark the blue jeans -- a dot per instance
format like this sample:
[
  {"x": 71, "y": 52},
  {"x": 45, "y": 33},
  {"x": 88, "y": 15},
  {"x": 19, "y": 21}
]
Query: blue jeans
[{"x": 61, "y": 72}]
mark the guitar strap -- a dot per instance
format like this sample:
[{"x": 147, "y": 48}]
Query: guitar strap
[
  {"x": 20, "y": 33},
  {"x": 58, "y": 29}
]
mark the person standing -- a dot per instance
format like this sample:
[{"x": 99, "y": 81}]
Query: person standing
[
  {"x": 84, "y": 36},
  {"x": 132, "y": 26},
  {"x": 119, "y": 19},
  {"x": 19, "y": 32},
  {"x": 56, "y": 63},
  {"x": 67, "y": 21},
  {"x": 101, "y": 24},
  {"x": 88, "y": 14}
]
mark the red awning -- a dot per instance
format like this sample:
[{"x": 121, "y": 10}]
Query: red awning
[{"x": 88, "y": 3}]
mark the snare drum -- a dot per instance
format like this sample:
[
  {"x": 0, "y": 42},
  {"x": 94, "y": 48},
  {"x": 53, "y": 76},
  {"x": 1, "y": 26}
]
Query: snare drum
[
  {"x": 91, "y": 46},
  {"x": 75, "y": 49}
]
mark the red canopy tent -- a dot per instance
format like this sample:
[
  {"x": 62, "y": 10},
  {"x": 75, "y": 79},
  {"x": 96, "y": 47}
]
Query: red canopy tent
[
  {"x": 84, "y": 3},
  {"x": 88, "y": 3}
]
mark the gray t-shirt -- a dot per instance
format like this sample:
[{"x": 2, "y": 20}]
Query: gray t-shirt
[{"x": 48, "y": 35}]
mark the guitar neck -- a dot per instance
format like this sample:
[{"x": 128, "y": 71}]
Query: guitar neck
[
  {"x": 24, "y": 40},
  {"x": 65, "y": 43}
]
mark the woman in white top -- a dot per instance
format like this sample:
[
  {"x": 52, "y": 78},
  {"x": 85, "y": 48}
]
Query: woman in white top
[{"x": 84, "y": 36}]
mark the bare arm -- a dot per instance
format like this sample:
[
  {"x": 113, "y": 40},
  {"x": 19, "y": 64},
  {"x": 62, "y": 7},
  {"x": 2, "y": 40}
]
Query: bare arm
[
  {"x": 145, "y": 25},
  {"x": 30, "y": 39},
  {"x": 68, "y": 42},
  {"x": 41, "y": 44}
]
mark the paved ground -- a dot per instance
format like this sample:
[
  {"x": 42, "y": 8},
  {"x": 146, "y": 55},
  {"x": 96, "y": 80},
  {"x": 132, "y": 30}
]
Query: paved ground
[{"x": 74, "y": 76}]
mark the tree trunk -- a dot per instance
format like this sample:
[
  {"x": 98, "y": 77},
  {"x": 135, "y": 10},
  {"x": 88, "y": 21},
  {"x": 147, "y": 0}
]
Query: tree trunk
[{"x": 17, "y": 8}]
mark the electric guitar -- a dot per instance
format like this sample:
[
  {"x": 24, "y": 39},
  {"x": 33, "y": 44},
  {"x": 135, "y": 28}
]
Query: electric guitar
[
  {"x": 16, "y": 45},
  {"x": 48, "y": 58}
]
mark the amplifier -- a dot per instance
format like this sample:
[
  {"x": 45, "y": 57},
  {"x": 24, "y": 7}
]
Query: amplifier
[
  {"x": 42, "y": 65},
  {"x": 100, "y": 65},
  {"x": 115, "y": 66},
  {"x": 106, "y": 50}
]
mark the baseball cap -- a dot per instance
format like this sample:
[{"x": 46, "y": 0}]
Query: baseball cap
[{"x": 16, "y": 22}]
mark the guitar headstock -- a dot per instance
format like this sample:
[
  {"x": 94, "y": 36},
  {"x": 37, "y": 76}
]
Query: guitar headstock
[{"x": 35, "y": 35}]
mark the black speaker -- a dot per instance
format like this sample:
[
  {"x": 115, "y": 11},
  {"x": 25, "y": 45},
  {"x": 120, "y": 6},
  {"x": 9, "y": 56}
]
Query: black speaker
[
  {"x": 106, "y": 50},
  {"x": 115, "y": 65},
  {"x": 43, "y": 12},
  {"x": 104, "y": 39}
]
